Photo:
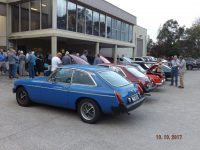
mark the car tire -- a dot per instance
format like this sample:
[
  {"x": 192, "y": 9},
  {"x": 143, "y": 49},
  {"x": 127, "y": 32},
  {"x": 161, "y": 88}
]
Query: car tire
[
  {"x": 89, "y": 111},
  {"x": 22, "y": 97}
]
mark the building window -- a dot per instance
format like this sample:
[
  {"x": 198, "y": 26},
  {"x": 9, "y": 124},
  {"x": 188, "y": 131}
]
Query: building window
[
  {"x": 108, "y": 20},
  {"x": 25, "y": 16},
  {"x": 71, "y": 16},
  {"x": 81, "y": 19},
  {"x": 102, "y": 25},
  {"x": 2, "y": 9},
  {"x": 46, "y": 12},
  {"x": 127, "y": 33},
  {"x": 130, "y": 33},
  {"x": 96, "y": 23},
  {"x": 123, "y": 26},
  {"x": 88, "y": 14},
  {"x": 61, "y": 14},
  {"x": 15, "y": 18},
  {"x": 35, "y": 15},
  {"x": 114, "y": 29},
  {"x": 118, "y": 30}
]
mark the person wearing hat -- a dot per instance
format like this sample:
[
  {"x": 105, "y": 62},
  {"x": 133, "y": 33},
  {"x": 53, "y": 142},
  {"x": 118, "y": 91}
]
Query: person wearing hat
[{"x": 182, "y": 68}]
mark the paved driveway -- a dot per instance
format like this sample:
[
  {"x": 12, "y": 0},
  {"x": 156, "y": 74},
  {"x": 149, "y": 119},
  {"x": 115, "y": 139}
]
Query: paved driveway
[{"x": 169, "y": 111}]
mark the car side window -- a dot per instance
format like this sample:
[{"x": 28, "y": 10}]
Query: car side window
[
  {"x": 83, "y": 78},
  {"x": 62, "y": 75}
]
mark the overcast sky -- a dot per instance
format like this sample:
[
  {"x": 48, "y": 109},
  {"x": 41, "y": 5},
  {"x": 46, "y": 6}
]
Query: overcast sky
[{"x": 151, "y": 14}]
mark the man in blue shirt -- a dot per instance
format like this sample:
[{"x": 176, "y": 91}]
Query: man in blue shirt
[
  {"x": 31, "y": 63},
  {"x": 174, "y": 72}
]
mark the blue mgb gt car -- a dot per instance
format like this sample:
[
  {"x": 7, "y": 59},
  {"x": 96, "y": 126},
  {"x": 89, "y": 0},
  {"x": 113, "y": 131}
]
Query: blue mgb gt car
[{"x": 91, "y": 90}]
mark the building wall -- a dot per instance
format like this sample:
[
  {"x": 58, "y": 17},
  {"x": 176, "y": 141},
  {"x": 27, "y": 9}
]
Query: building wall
[
  {"x": 140, "y": 40},
  {"x": 3, "y": 36}
]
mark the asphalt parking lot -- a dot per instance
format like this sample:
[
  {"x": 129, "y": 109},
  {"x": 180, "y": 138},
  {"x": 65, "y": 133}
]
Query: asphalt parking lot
[{"x": 169, "y": 111}]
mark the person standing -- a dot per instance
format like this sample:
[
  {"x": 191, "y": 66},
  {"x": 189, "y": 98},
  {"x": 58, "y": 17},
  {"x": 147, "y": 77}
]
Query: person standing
[
  {"x": 56, "y": 61},
  {"x": 31, "y": 64},
  {"x": 182, "y": 68},
  {"x": 97, "y": 60},
  {"x": 22, "y": 62},
  {"x": 2, "y": 60},
  {"x": 12, "y": 59},
  {"x": 174, "y": 71},
  {"x": 66, "y": 60},
  {"x": 84, "y": 56}
]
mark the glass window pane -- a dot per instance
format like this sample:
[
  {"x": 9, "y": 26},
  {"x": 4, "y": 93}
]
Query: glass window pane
[
  {"x": 95, "y": 23},
  {"x": 108, "y": 27},
  {"x": 126, "y": 32},
  {"x": 25, "y": 16},
  {"x": 81, "y": 19},
  {"x": 118, "y": 30},
  {"x": 46, "y": 14},
  {"x": 114, "y": 29},
  {"x": 102, "y": 25},
  {"x": 15, "y": 18},
  {"x": 88, "y": 21},
  {"x": 35, "y": 15},
  {"x": 2, "y": 9},
  {"x": 61, "y": 14},
  {"x": 113, "y": 78},
  {"x": 71, "y": 16},
  {"x": 80, "y": 77},
  {"x": 62, "y": 75},
  {"x": 130, "y": 33}
]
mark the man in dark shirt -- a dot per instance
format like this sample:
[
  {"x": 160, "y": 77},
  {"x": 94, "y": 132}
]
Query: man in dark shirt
[{"x": 66, "y": 60}]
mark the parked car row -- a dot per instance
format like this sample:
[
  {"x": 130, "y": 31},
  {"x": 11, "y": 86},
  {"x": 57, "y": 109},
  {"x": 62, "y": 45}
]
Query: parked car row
[{"x": 91, "y": 90}]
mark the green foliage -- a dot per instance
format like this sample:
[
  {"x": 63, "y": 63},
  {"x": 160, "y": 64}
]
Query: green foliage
[{"x": 176, "y": 40}]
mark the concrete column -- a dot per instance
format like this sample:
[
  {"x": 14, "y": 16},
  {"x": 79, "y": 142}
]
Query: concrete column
[
  {"x": 133, "y": 53},
  {"x": 97, "y": 48},
  {"x": 54, "y": 14},
  {"x": 53, "y": 45},
  {"x": 115, "y": 54},
  {"x": 8, "y": 24}
]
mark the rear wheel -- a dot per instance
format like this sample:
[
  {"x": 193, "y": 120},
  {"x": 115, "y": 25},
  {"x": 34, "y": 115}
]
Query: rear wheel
[
  {"x": 88, "y": 111},
  {"x": 22, "y": 97}
]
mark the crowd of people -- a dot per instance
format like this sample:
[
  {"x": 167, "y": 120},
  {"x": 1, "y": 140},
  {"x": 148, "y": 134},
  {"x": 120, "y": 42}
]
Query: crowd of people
[{"x": 17, "y": 63}]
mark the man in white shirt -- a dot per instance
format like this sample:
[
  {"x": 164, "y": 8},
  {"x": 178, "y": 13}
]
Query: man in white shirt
[
  {"x": 182, "y": 68},
  {"x": 56, "y": 61}
]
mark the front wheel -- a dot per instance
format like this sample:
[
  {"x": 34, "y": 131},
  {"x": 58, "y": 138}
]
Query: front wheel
[
  {"x": 22, "y": 97},
  {"x": 89, "y": 111}
]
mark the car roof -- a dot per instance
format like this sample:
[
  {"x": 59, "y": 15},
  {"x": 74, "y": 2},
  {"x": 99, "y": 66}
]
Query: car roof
[{"x": 90, "y": 68}]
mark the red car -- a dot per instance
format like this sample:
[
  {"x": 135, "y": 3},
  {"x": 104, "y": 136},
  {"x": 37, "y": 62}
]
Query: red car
[
  {"x": 158, "y": 80},
  {"x": 153, "y": 71},
  {"x": 132, "y": 74}
]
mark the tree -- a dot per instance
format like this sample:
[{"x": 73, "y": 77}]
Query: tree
[{"x": 169, "y": 36}]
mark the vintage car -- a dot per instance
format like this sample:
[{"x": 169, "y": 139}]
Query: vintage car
[
  {"x": 154, "y": 71},
  {"x": 155, "y": 78},
  {"x": 132, "y": 74},
  {"x": 91, "y": 90}
]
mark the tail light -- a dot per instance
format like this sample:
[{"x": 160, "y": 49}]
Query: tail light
[
  {"x": 140, "y": 83},
  {"x": 140, "y": 89},
  {"x": 119, "y": 98}
]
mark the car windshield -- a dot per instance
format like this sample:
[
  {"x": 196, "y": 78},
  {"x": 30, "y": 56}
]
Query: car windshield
[
  {"x": 128, "y": 59},
  {"x": 141, "y": 69},
  {"x": 135, "y": 72},
  {"x": 114, "y": 78}
]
